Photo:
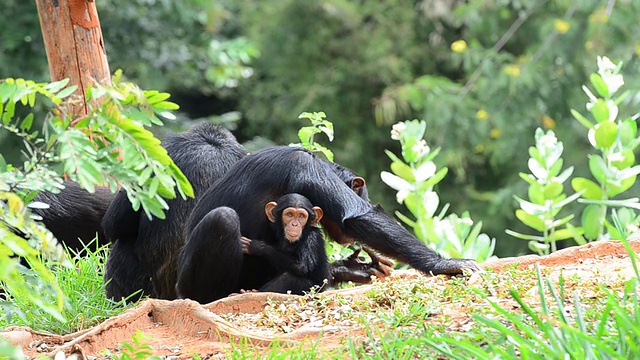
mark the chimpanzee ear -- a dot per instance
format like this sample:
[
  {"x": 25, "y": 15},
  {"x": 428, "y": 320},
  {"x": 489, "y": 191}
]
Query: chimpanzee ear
[
  {"x": 268, "y": 209},
  {"x": 319, "y": 214},
  {"x": 357, "y": 184}
]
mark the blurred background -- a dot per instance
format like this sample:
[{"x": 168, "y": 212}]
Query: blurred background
[{"x": 484, "y": 74}]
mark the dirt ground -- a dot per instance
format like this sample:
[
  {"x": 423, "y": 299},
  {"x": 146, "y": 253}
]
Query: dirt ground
[{"x": 181, "y": 328}]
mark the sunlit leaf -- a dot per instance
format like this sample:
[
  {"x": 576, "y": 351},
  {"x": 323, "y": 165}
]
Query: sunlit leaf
[
  {"x": 605, "y": 134},
  {"x": 590, "y": 189},
  {"x": 581, "y": 119},
  {"x": 530, "y": 220},
  {"x": 593, "y": 220},
  {"x": 599, "y": 84},
  {"x": 600, "y": 111}
]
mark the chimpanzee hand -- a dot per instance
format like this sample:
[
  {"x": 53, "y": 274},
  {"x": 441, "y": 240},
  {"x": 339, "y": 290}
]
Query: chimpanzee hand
[
  {"x": 252, "y": 247},
  {"x": 456, "y": 266},
  {"x": 381, "y": 266},
  {"x": 355, "y": 270}
]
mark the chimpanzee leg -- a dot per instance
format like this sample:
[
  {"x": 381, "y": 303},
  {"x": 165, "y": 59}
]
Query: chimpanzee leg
[
  {"x": 288, "y": 282},
  {"x": 124, "y": 273},
  {"x": 210, "y": 262}
]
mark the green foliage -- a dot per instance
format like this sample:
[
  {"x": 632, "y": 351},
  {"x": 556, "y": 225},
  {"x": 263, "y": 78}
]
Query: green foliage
[
  {"x": 21, "y": 236},
  {"x": 8, "y": 351},
  {"x": 414, "y": 178},
  {"x": 84, "y": 302},
  {"x": 306, "y": 134},
  {"x": 139, "y": 350},
  {"x": 556, "y": 330},
  {"x": 546, "y": 196},
  {"x": 110, "y": 146},
  {"x": 613, "y": 168}
]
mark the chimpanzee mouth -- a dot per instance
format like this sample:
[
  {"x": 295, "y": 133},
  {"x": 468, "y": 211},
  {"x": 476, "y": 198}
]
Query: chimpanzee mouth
[{"x": 292, "y": 236}]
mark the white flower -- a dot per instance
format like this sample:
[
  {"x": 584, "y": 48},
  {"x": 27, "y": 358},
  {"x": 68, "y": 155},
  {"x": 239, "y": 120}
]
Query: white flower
[
  {"x": 397, "y": 130},
  {"x": 610, "y": 74}
]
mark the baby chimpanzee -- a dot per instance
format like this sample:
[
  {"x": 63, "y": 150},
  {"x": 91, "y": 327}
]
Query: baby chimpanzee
[{"x": 298, "y": 252}]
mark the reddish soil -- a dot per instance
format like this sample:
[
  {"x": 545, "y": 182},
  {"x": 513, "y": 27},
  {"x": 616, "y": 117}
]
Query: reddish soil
[{"x": 181, "y": 328}]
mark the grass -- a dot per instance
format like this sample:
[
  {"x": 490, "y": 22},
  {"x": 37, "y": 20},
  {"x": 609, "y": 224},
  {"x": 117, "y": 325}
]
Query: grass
[
  {"x": 85, "y": 304},
  {"x": 513, "y": 314}
]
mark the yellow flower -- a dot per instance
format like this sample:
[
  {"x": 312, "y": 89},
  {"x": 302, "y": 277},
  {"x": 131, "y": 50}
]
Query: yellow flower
[
  {"x": 638, "y": 49},
  {"x": 482, "y": 114},
  {"x": 495, "y": 133},
  {"x": 459, "y": 46},
  {"x": 562, "y": 26},
  {"x": 599, "y": 16},
  {"x": 512, "y": 70},
  {"x": 548, "y": 122},
  {"x": 479, "y": 148}
]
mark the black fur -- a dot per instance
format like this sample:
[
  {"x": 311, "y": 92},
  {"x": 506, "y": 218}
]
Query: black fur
[
  {"x": 74, "y": 215},
  {"x": 265, "y": 176},
  {"x": 144, "y": 252}
]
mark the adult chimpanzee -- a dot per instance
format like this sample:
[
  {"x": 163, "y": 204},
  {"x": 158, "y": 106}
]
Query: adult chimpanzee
[
  {"x": 296, "y": 249},
  {"x": 144, "y": 252},
  {"x": 218, "y": 268},
  {"x": 74, "y": 215}
]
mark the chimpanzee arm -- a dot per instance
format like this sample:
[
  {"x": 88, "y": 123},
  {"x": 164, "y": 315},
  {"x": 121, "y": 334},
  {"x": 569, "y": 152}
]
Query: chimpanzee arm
[
  {"x": 356, "y": 219},
  {"x": 382, "y": 233},
  {"x": 280, "y": 260}
]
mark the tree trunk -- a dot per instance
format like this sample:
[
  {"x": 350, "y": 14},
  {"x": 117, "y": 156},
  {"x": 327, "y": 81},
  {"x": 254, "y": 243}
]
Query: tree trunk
[{"x": 74, "y": 45}]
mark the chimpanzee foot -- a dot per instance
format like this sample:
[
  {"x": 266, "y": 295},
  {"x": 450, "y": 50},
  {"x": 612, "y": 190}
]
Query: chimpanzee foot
[{"x": 243, "y": 291}]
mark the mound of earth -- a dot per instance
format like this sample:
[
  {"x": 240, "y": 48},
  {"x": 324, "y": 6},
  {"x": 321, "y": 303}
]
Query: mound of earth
[{"x": 181, "y": 328}]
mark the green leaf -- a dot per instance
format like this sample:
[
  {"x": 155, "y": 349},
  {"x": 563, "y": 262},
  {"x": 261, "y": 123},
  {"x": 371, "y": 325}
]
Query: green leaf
[
  {"x": 66, "y": 92},
  {"x": 530, "y": 220},
  {"x": 528, "y": 178},
  {"x": 27, "y": 122},
  {"x": 325, "y": 151},
  {"x": 536, "y": 195},
  {"x": 435, "y": 179},
  {"x": 628, "y": 131},
  {"x": 591, "y": 189},
  {"x": 598, "y": 168},
  {"x": 165, "y": 105},
  {"x": 599, "y": 84},
  {"x": 538, "y": 247},
  {"x": 56, "y": 86},
  {"x": 581, "y": 119},
  {"x": 553, "y": 190},
  {"x": 393, "y": 156},
  {"x": 560, "y": 222},
  {"x": 9, "y": 111},
  {"x": 305, "y": 134},
  {"x": 593, "y": 220},
  {"x": 600, "y": 111},
  {"x": 605, "y": 134},
  {"x": 560, "y": 234},
  {"x": 402, "y": 170},
  {"x": 614, "y": 189},
  {"x": 625, "y": 159}
]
